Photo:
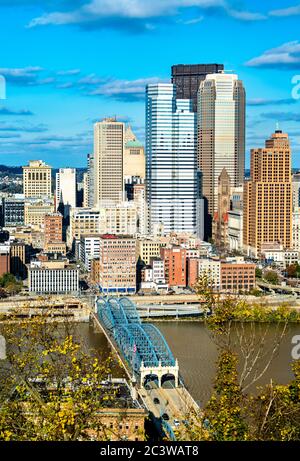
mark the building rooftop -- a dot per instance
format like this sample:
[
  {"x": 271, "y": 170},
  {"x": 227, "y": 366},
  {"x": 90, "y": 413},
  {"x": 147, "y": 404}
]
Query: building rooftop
[{"x": 134, "y": 143}]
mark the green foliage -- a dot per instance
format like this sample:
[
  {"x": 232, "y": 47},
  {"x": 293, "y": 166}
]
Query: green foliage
[
  {"x": 293, "y": 270},
  {"x": 271, "y": 277},
  {"x": 50, "y": 389},
  {"x": 225, "y": 409},
  {"x": 258, "y": 273},
  {"x": 9, "y": 283}
]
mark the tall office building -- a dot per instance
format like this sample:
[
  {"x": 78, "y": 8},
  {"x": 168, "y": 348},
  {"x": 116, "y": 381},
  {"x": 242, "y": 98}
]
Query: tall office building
[
  {"x": 109, "y": 143},
  {"x": 296, "y": 190},
  {"x": 187, "y": 78},
  {"x": 134, "y": 156},
  {"x": 90, "y": 180},
  {"x": 268, "y": 196},
  {"x": 172, "y": 180},
  {"x": 66, "y": 188},
  {"x": 37, "y": 179},
  {"x": 221, "y": 135}
]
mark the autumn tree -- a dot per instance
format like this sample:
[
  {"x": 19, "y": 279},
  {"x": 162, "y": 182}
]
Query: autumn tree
[{"x": 50, "y": 388}]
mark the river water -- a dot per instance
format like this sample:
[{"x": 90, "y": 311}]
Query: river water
[{"x": 197, "y": 353}]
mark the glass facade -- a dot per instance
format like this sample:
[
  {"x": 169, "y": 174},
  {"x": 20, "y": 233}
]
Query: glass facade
[{"x": 171, "y": 164}]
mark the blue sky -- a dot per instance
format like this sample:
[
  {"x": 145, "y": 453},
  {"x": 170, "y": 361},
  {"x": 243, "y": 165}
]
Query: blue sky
[{"x": 68, "y": 63}]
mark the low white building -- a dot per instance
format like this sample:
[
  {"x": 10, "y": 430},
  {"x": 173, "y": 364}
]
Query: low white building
[
  {"x": 212, "y": 269},
  {"x": 53, "y": 277},
  {"x": 89, "y": 249},
  {"x": 153, "y": 276},
  {"x": 280, "y": 256},
  {"x": 296, "y": 229},
  {"x": 235, "y": 230}
]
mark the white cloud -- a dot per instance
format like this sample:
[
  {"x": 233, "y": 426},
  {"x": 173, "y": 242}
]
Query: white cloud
[
  {"x": 108, "y": 12},
  {"x": 125, "y": 90},
  {"x": 286, "y": 56},
  {"x": 285, "y": 12}
]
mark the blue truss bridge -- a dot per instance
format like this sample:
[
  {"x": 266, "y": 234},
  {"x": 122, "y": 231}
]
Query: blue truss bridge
[
  {"x": 141, "y": 344},
  {"x": 144, "y": 350}
]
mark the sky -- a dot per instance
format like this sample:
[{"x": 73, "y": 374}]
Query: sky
[{"x": 70, "y": 63}]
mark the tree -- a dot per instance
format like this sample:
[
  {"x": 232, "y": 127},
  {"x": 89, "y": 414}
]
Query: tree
[
  {"x": 50, "y": 388},
  {"x": 9, "y": 283},
  {"x": 271, "y": 277},
  {"x": 232, "y": 413},
  {"x": 293, "y": 270},
  {"x": 258, "y": 273}
]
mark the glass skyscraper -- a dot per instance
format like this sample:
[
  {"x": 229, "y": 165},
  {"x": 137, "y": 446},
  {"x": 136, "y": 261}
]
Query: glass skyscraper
[{"x": 173, "y": 184}]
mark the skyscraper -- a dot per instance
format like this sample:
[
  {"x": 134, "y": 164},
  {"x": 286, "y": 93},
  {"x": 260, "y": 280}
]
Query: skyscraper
[
  {"x": 187, "y": 78},
  {"x": 65, "y": 191},
  {"x": 268, "y": 196},
  {"x": 221, "y": 135},
  {"x": 37, "y": 180},
  {"x": 172, "y": 182},
  {"x": 109, "y": 143},
  {"x": 90, "y": 180}
]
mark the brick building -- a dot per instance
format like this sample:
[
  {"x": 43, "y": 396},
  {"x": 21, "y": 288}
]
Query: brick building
[{"x": 175, "y": 265}]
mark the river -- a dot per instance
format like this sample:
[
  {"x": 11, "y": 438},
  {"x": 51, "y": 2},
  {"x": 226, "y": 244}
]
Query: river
[{"x": 197, "y": 354}]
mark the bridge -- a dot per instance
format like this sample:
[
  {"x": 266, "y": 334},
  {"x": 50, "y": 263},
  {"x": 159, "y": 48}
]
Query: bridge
[
  {"x": 149, "y": 362},
  {"x": 142, "y": 345}
]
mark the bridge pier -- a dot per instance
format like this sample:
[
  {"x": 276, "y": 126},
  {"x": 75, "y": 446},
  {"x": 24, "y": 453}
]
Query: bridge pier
[{"x": 160, "y": 372}]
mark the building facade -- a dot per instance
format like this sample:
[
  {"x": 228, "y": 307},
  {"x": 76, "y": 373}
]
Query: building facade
[
  {"x": 187, "y": 78},
  {"x": 89, "y": 250},
  {"x": 221, "y": 136},
  {"x": 53, "y": 277},
  {"x": 268, "y": 196},
  {"x": 53, "y": 228},
  {"x": 117, "y": 264},
  {"x": 13, "y": 211},
  {"x": 65, "y": 190},
  {"x": 173, "y": 184},
  {"x": 109, "y": 144},
  {"x": 174, "y": 259},
  {"x": 37, "y": 180},
  {"x": 134, "y": 156},
  {"x": 4, "y": 258}
]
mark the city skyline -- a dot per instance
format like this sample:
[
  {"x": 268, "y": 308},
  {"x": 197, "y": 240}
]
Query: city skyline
[{"x": 56, "y": 92}]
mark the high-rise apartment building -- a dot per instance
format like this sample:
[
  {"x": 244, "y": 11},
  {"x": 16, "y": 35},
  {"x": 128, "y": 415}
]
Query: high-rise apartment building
[
  {"x": 37, "y": 179},
  {"x": 187, "y": 78},
  {"x": 268, "y": 196},
  {"x": 117, "y": 264},
  {"x": 65, "y": 191},
  {"x": 172, "y": 180},
  {"x": 221, "y": 135},
  {"x": 174, "y": 259},
  {"x": 109, "y": 144},
  {"x": 53, "y": 228}
]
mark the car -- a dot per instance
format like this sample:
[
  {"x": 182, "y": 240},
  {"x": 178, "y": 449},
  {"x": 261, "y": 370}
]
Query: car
[
  {"x": 156, "y": 401},
  {"x": 176, "y": 423},
  {"x": 165, "y": 417}
]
